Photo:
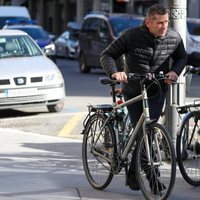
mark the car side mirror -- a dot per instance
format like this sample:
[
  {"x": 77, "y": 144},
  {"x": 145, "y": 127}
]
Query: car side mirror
[{"x": 49, "y": 49}]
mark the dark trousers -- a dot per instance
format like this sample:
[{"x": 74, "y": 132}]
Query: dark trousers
[{"x": 135, "y": 110}]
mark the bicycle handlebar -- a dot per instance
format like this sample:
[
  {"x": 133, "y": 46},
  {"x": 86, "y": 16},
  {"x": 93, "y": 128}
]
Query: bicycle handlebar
[
  {"x": 133, "y": 76},
  {"x": 148, "y": 76},
  {"x": 192, "y": 70},
  {"x": 107, "y": 81}
]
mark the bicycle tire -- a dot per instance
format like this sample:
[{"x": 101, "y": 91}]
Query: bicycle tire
[
  {"x": 156, "y": 179},
  {"x": 188, "y": 148},
  {"x": 98, "y": 171}
]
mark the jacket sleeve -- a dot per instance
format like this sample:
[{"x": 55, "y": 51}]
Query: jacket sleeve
[
  {"x": 179, "y": 57},
  {"x": 110, "y": 55}
]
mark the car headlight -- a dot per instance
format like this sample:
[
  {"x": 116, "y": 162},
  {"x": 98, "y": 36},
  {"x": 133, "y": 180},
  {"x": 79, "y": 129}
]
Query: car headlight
[{"x": 53, "y": 77}]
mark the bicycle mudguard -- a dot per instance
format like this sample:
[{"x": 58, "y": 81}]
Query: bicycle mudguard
[{"x": 150, "y": 122}]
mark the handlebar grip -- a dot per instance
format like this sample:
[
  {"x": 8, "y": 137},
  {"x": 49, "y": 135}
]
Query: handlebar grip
[
  {"x": 107, "y": 81},
  {"x": 136, "y": 76},
  {"x": 192, "y": 70},
  {"x": 195, "y": 70}
]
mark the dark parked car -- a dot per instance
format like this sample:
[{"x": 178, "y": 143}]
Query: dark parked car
[{"x": 97, "y": 32}]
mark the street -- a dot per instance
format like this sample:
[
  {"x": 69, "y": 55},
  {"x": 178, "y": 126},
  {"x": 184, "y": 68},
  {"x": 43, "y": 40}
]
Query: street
[
  {"x": 40, "y": 152},
  {"x": 35, "y": 166},
  {"x": 81, "y": 90}
]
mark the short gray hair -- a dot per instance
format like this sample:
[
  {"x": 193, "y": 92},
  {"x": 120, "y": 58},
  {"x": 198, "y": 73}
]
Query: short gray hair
[{"x": 156, "y": 9}]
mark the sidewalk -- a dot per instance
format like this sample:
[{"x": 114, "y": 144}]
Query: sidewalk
[{"x": 35, "y": 166}]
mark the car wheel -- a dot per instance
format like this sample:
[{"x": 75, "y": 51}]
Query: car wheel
[
  {"x": 56, "y": 107},
  {"x": 82, "y": 64}
]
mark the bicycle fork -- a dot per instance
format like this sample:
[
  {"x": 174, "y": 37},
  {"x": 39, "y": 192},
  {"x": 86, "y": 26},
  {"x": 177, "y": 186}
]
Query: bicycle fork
[{"x": 150, "y": 149}]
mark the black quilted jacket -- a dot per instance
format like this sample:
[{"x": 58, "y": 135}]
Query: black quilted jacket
[{"x": 145, "y": 53}]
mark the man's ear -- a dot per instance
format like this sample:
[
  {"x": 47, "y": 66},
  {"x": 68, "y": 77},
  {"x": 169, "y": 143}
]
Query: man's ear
[{"x": 147, "y": 22}]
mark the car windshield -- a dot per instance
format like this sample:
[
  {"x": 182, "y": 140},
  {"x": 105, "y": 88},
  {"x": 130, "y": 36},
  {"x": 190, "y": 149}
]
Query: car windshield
[
  {"x": 35, "y": 33},
  {"x": 120, "y": 24},
  {"x": 18, "y": 46},
  {"x": 193, "y": 28}
]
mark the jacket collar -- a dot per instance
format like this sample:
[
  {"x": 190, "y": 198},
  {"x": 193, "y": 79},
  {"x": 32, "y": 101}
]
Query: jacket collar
[{"x": 157, "y": 39}]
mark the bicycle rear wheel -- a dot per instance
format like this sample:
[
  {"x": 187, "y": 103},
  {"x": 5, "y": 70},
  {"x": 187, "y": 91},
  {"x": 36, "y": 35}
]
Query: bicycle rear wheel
[
  {"x": 97, "y": 151},
  {"x": 156, "y": 176},
  {"x": 188, "y": 148}
]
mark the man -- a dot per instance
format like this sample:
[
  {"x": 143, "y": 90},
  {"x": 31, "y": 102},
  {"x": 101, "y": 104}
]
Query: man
[{"x": 148, "y": 48}]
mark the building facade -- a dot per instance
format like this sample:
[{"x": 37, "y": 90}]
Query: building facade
[{"x": 54, "y": 15}]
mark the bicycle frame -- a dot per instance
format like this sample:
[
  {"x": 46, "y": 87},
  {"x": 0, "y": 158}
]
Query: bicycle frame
[
  {"x": 143, "y": 120},
  {"x": 110, "y": 139},
  {"x": 144, "y": 115}
]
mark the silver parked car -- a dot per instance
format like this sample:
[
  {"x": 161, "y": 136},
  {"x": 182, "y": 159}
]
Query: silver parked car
[
  {"x": 67, "y": 43},
  {"x": 27, "y": 76}
]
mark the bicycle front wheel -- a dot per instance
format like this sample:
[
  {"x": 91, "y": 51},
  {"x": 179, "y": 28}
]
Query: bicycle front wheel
[
  {"x": 97, "y": 151},
  {"x": 155, "y": 163},
  {"x": 188, "y": 148}
]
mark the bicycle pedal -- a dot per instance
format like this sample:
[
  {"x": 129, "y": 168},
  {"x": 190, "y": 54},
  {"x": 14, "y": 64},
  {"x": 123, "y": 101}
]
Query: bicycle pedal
[
  {"x": 108, "y": 149},
  {"x": 103, "y": 150}
]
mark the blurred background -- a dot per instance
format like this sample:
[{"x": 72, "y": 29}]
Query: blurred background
[{"x": 54, "y": 15}]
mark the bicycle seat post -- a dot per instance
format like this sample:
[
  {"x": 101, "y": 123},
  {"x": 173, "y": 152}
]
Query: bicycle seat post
[
  {"x": 113, "y": 94},
  {"x": 145, "y": 100}
]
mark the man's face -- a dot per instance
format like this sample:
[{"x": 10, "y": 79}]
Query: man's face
[{"x": 158, "y": 25}]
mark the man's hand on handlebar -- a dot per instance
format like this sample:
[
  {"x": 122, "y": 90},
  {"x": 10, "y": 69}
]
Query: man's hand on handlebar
[
  {"x": 120, "y": 76},
  {"x": 171, "y": 77}
]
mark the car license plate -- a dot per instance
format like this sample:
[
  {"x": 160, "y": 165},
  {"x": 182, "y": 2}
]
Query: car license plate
[{"x": 20, "y": 92}]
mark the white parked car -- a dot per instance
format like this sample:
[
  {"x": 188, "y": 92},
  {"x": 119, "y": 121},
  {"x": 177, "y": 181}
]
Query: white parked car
[{"x": 27, "y": 76}]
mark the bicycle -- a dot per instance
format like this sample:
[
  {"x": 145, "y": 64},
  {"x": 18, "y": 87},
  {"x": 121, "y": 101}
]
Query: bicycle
[
  {"x": 188, "y": 139},
  {"x": 106, "y": 147}
]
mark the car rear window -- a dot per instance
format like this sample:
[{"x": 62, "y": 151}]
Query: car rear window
[
  {"x": 193, "y": 28},
  {"x": 35, "y": 33},
  {"x": 120, "y": 24},
  {"x": 4, "y": 19}
]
